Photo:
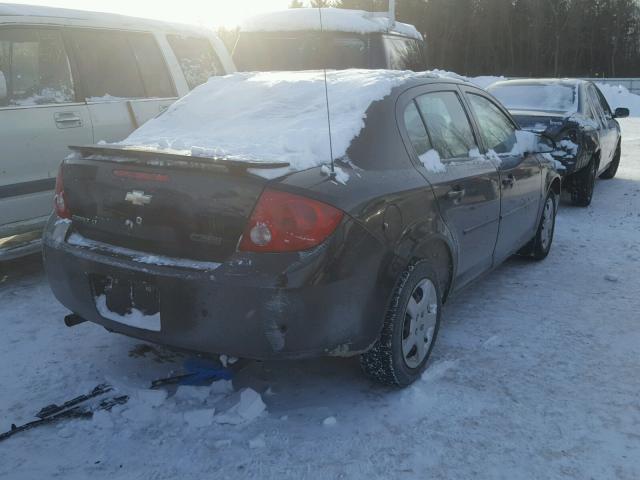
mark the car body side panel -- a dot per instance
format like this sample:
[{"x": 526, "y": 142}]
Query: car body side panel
[{"x": 472, "y": 220}]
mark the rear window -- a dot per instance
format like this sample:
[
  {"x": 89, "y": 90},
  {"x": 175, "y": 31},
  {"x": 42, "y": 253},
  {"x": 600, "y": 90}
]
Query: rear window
[
  {"x": 404, "y": 54},
  {"x": 196, "y": 57},
  {"x": 537, "y": 97},
  {"x": 300, "y": 51},
  {"x": 120, "y": 65}
]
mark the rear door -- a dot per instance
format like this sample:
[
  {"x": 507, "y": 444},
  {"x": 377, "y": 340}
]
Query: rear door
[
  {"x": 519, "y": 169},
  {"x": 465, "y": 185},
  {"x": 39, "y": 117},
  {"x": 125, "y": 80}
]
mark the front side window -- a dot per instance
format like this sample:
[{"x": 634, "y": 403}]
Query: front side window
[
  {"x": 447, "y": 124},
  {"x": 603, "y": 102},
  {"x": 404, "y": 54},
  {"x": 34, "y": 67},
  {"x": 497, "y": 131},
  {"x": 197, "y": 59},
  {"x": 596, "y": 106}
]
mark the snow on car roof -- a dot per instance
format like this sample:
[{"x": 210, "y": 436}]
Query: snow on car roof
[
  {"x": 333, "y": 19},
  {"x": 270, "y": 116},
  {"x": 102, "y": 18}
]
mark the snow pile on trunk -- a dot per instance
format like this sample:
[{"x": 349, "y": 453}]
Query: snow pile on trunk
[
  {"x": 270, "y": 116},
  {"x": 619, "y": 96},
  {"x": 333, "y": 20}
]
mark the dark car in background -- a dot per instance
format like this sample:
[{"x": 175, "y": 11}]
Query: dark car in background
[
  {"x": 295, "y": 39},
  {"x": 228, "y": 256},
  {"x": 576, "y": 115}
]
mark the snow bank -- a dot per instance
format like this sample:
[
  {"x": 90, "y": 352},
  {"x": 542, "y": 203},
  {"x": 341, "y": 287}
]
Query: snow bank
[
  {"x": 619, "y": 96},
  {"x": 270, "y": 116},
  {"x": 333, "y": 19}
]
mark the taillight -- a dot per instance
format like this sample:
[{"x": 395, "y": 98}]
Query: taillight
[
  {"x": 59, "y": 200},
  {"x": 284, "y": 222}
]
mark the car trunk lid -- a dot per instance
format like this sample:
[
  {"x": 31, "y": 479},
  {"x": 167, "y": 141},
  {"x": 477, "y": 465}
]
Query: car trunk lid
[
  {"x": 539, "y": 121},
  {"x": 162, "y": 203}
]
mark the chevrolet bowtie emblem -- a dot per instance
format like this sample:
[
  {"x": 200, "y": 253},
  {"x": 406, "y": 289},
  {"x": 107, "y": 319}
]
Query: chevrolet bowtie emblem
[{"x": 138, "y": 198}]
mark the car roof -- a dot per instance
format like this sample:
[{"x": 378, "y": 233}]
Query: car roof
[
  {"x": 333, "y": 20},
  {"x": 98, "y": 18},
  {"x": 569, "y": 82}
]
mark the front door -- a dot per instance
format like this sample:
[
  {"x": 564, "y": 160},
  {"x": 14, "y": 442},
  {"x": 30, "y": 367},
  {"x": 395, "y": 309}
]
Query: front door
[
  {"x": 520, "y": 174},
  {"x": 39, "y": 118},
  {"x": 608, "y": 127},
  {"x": 465, "y": 184}
]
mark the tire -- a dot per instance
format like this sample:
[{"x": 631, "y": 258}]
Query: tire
[
  {"x": 410, "y": 329},
  {"x": 583, "y": 184},
  {"x": 611, "y": 171},
  {"x": 540, "y": 245}
]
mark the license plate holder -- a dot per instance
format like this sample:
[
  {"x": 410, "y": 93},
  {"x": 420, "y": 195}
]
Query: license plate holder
[{"x": 133, "y": 302}]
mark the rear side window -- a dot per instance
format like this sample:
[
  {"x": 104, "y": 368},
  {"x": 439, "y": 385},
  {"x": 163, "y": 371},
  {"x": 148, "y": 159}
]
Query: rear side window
[
  {"x": 116, "y": 64},
  {"x": 416, "y": 130},
  {"x": 34, "y": 67},
  {"x": 447, "y": 124},
  {"x": 404, "y": 54},
  {"x": 496, "y": 130},
  {"x": 196, "y": 57}
]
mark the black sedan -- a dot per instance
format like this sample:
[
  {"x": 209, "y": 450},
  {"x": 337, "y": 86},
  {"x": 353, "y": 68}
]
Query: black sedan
[
  {"x": 577, "y": 116},
  {"x": 211, "y": 255}
]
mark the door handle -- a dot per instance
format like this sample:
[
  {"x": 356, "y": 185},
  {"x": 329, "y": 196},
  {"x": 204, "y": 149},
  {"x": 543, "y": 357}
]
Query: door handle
[
  {"x": 510, "y": 181},
  {"x": 456, "y": 194},
  {"x": 67, "y": 120}
]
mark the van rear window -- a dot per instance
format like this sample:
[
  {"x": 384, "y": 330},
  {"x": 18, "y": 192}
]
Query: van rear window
[
  {"x": 116, "y": 64},
  {"x": 266, "y": 51},
  {"x": 196, "y": 57}
]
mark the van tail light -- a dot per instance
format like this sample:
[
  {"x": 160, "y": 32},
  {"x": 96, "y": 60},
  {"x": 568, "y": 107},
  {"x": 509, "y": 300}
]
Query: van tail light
[
  {"x": 59, "y": 200},
  {"x": 284, "y": 222}
]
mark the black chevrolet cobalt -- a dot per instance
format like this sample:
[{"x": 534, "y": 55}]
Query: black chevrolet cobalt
[{"x": 232, "y": 224}]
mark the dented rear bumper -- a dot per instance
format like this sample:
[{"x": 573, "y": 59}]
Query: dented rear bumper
[{"x": 328, "y": 301}]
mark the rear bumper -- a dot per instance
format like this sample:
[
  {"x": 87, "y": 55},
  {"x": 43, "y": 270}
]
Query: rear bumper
[{"x": 324, "y": 302}]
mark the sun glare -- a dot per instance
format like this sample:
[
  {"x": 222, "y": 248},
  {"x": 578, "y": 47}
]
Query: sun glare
[{"x": 212, "y": 13}]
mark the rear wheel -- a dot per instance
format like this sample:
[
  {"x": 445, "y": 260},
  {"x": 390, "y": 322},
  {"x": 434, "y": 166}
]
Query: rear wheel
[
  {"x": 583, "y": 184},
  {"x": 611, "y": 171},
  {"x": 410, "y": 329}
]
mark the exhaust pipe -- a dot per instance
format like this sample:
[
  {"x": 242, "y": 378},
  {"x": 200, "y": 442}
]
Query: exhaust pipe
[{"x": 72, "y": 320}]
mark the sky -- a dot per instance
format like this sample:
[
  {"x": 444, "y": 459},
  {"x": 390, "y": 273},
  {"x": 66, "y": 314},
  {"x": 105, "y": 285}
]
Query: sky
[{"x": 213, "y": 13}]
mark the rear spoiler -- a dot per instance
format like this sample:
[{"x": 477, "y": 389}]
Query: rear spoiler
[{"x": 171, "y": 157}]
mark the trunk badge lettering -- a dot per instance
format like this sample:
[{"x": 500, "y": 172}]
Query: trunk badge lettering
[{"x": 138, "y": 197}]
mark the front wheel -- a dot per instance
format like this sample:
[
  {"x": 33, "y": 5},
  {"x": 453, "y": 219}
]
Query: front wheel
[{"x": 410, "y": 329}]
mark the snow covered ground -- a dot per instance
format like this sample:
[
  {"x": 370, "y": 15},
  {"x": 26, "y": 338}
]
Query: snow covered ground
[{"x": 535, "y": 375}]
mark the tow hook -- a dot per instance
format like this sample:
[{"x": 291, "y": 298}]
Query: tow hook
[{"x": 72, "y": 320}]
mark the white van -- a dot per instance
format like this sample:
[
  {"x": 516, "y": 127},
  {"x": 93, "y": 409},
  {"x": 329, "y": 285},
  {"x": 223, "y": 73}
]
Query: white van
[{"x": 72, "y": 77}]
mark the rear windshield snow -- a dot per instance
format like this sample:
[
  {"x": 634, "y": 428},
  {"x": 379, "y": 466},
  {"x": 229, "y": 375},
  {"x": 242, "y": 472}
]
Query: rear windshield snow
[
  {"x": 256, "y": 52},
  {"x": 269, "y": 116},
  {"x": 538, "y": 97}
]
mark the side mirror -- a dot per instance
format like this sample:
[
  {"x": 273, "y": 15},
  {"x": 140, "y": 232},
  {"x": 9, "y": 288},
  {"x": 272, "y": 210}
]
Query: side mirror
[
  {"x": 621, "y": 113},
  {"x": 3, "y": 88}
]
